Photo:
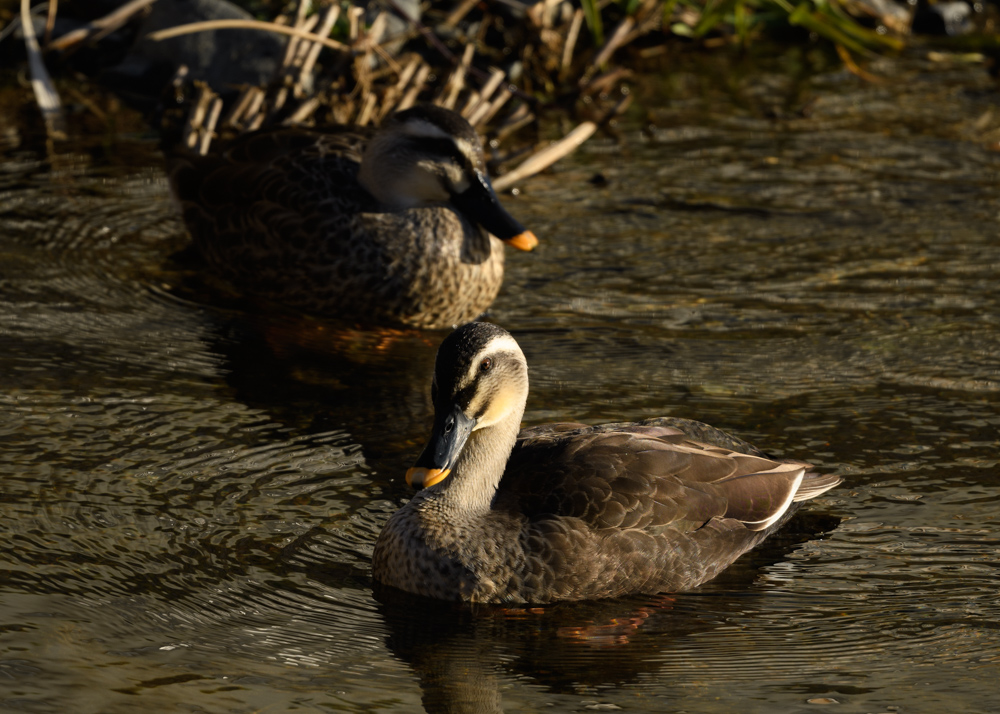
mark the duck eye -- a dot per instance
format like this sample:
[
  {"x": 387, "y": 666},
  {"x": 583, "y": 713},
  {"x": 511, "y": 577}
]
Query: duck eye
[{"x": 485, "y": 365}]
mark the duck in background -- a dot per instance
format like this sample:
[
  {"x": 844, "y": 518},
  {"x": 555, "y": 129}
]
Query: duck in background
[
  {"x": 569, "y": 511},
  {"x": 393, "y": 227}
]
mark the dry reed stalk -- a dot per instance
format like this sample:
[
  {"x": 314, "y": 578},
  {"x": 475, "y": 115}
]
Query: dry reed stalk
[
  {"x": 196, "y": 116},
  {"x": 241, "y": 106},
  {"x": 648, "y": 17},
  {"x": 305, "y": 110},
  {"x": 478, "y": 99},
  {"x": 257, "y": 122},
  {"x": 551, "y": 9},
  {"x": 179, "y": 79},
  {"x": 41, "y": 83},
  {"x": 548, "y": 14},
  {"x": 255, "y": 112},
  {"x": 472, "y": 99},
  {"x": 86, "y": 101},
  {"x": 303, "y": 46},
  {"x": 457, "y": 80},
  {"x": 50, "y": 21},
  {"x": 354, "y": 18},
  {"x": 340, "y": 113},
  {"x": 364, "y": 89},
  {"x": 488, "y": 111},
  {"x": 613, "y": 43},
  {"x": 293, "y": 42},
  {"x": 571, "y": 38},
  {"x": 605, "y": 81},
  {"x": 211, "y": 25},
  {"x": 521, "y": 118},
  {"x": 853, "y": 68},
  {"x": 367, "y": 110},
  {"x": 278, "y": 103},
  {"x": 395, "y": 91},
  {"x": 376, "y": 29},
  {"x": 326, "y": 27},
  {"x": 484, "y": 26},
  {"x": 410, "y": 98},
  {"x": 208, "y": 132},
  {"x": 458, "y": 13},
  {"x": 408, "y": 72},
  {"x": 385, "y": 72},
  {"x": 370, "y": 44},
  {"x": 536, "y": 13},
  {"x": 497, "y": 77},
  {"x": 387, "y": 58},
  {"x": 547, "y": 156},
  {"x": 616, "y": 110},
  {"x": 101, "y": 26}
]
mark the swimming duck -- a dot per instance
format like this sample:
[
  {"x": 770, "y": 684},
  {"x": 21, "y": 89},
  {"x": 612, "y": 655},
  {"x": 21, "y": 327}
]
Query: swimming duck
[
  {"x": 389, "y": 227},
  {"x": 568, "y": 511}
]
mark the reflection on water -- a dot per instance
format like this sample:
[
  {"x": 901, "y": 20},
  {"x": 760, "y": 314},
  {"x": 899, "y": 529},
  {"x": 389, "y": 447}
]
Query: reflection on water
[{"x": 189, "y": 492}]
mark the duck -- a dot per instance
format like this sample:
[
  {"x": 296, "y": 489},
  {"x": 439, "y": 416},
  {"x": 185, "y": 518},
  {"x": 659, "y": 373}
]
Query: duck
[
  {"x": 392, "y": 227},
  {"x": 567, "y": 511}
]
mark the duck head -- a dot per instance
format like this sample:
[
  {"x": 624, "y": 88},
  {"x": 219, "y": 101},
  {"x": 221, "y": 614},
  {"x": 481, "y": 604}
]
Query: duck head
[
  {"x": 429, "y": 155},
  {"x": 480, "y": 385}
]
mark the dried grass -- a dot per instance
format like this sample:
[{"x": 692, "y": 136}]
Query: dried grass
[{"x": 361, "y": 76}]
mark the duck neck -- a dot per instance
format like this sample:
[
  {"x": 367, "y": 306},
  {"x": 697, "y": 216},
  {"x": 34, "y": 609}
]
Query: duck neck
[{"x": 478, "y": 471}]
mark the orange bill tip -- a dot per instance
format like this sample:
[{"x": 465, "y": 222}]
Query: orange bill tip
[
  {"x": 523, "y": 241},
  {"x": 420, "y": 477}
]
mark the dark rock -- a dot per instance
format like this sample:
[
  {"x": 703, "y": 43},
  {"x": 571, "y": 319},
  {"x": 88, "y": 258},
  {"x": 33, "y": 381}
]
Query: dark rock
[
  {"x": 225, "y": 59},
  {"x": 943, "y": 18}
]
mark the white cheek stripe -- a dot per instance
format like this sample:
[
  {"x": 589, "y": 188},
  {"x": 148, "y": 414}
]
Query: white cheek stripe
[
  {"x": 499, "y": 406},
  {"x": 500, "y": 343},
  {"x": 423, "y": 129},
  {"x": 464, "y": 146}
]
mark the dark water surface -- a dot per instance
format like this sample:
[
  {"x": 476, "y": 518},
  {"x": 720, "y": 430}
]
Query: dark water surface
[{"x": 189, "y": 496}]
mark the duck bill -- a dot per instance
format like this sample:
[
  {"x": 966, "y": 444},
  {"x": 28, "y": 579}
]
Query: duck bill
[
  {"x": 439, "y": 456},
  {"x": 479, "y": 203}
]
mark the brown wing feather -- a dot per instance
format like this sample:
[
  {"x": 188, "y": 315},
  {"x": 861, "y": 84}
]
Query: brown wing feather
[
  {"x": 606, "y": 479},
  {"x": 645, "y": 477}
]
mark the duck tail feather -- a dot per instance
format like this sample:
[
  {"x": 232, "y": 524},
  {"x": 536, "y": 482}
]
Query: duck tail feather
[{"x": 814, "y": 484}]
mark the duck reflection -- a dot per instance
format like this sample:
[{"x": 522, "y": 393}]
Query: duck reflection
[{"x": 316, "y": 376}]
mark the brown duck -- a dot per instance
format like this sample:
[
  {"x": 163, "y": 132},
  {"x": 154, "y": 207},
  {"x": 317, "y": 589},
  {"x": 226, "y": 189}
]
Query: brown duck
[
  {"x": 390, "y": 227},
  {"x": 568, "y": 511}
]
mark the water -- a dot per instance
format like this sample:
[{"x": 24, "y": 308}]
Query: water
[{"x": 189, "y": 494}]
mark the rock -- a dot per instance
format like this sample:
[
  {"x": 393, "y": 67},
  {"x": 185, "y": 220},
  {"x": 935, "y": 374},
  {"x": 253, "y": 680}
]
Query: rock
[
  {"x": 225, "y": 59},
  {"x": 943, "y": 18}
]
